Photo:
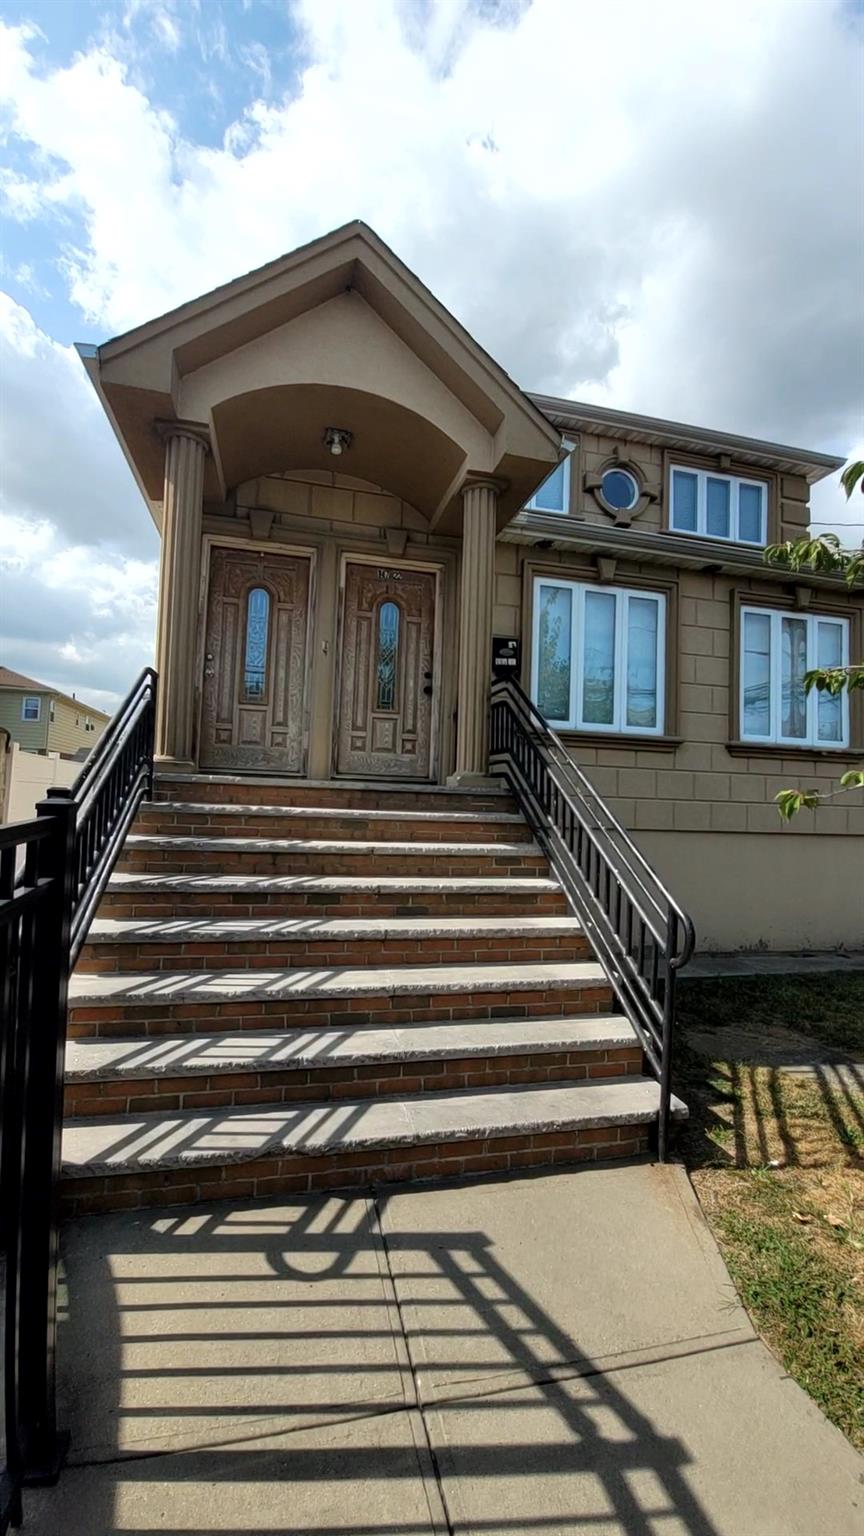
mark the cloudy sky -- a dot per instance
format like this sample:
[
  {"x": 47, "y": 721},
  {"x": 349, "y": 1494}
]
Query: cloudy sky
[{"x": 651, "y": 204}]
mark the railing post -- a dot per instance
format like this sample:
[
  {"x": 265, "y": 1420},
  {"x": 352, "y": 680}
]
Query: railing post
[
  {"x": 149, "y": 727},
  {"x": 42, "y": 1447}
]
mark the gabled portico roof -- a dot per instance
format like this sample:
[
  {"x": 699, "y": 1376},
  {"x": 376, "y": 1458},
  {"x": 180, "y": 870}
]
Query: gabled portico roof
[{"x": 339, "y": 325}]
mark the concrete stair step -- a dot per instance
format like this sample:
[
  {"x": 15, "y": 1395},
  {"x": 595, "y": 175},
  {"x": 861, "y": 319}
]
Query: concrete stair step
[
  {"x": 224, "y": 788},
  {"x": 149, "y": 895},
  {"x": 195, "y": 1055},
  {"x": 200, "y": 818},
  {"x": 332, "y": 856},
  {"x": 176, "y": 1001},
  {"x": 337, "y": 982},
  {"x": 187, "y": 1072},
  {"x": 128, "y": 944},
  {"x": 110, "y": 1161}
]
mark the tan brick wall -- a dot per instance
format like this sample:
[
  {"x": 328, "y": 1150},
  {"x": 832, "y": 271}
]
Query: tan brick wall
[
  {"x": 695, "y": 784},
  {"x": 331, "y": 504},
  {"x": 788, "y": 494}
]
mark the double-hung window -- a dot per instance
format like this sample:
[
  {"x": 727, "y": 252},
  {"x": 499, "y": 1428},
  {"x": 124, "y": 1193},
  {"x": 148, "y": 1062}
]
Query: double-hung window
[
  {"x": 31, "y": 707},
  {"x": 554, "y": 494},
  {"x": 718, "y": 506},
  {"x": 777, "y": 649},
  {"x": 598, "y": 657}
]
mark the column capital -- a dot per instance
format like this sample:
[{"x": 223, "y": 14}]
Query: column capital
[
  {"x": 196, "y": 431},
  {"x": 483, "y": 483}
]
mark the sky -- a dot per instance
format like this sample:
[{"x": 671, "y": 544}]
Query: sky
[{"x": 653, "y": 206}]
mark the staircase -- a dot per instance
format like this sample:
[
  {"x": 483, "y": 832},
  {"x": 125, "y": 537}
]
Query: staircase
[{"x": 292, "y": 987}]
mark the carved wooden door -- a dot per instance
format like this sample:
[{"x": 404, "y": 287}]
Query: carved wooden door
[
  {"x": 254, "y": 696},
  {"x": 386, "y": 698}
]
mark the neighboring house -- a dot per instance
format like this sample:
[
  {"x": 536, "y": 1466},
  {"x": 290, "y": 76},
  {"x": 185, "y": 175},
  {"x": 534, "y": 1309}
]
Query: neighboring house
[
  {"x": 41, "y": 719},
  {"x": 355, "y": 499}
]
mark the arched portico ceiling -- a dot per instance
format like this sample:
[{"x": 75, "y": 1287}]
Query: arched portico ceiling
[
  {"x": 336, "y": 334},
  {"x": 279, "y": 428}
]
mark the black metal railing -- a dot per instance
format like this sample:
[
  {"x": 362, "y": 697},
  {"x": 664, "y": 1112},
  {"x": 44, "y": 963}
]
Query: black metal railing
[
  {"x": 640, "y": 934},
  {"x": 53, "y": 870}
]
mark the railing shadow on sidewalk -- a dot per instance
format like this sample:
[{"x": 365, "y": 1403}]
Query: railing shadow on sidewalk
[{"x": 226, "y": 1266}]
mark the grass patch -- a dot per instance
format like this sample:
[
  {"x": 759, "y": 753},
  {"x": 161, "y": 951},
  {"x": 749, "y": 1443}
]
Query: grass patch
[
  {"x": 830, "y": 1008},
  {"x": 777, "y": 1160}
]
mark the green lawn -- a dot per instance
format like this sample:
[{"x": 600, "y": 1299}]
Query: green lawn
[{"x": 778, "y": 1163}]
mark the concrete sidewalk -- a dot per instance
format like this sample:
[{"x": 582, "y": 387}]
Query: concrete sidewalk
[{"x": 557, "y": 1354}]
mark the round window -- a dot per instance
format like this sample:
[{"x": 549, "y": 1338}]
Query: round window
[{"x": 619, "y": 489}]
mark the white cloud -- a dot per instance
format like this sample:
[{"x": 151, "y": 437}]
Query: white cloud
[
  {"x": 77, "y": 547},
  {"x": 644, "y": 205},
  {"x": 641, "y": 199}
]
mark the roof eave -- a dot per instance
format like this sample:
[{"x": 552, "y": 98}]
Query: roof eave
[
  {"x": 578, "y": 416},
  {"x": 90, "y": 357}
]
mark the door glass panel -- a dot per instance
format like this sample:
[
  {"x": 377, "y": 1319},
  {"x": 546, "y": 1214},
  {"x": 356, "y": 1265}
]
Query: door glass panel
[
  {"x": 829, "y": 653},
  {"x": 598, "y": 663},
  {"x": 717, "y": 509},
  {"x": 684, "y": 489},
  {"x": 793, "y": 722},
  {"x": 388, "y": 648},
  {"x": 642, "y": 662},
  {"x": 756, "y": 668},
  {"x": 255, "y": 655},
  {"x": 750, "y": 513},
  {"x": 554, "y": 639}
]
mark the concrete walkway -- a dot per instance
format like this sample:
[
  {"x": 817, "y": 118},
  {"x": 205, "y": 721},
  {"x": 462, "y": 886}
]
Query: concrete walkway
[
  {"x": 773, "y": 963},
  {"x": 558, "y": 1355}
]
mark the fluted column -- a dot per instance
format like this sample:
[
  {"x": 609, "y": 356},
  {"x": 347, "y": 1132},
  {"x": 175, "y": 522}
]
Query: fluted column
[
  {"x": 179, "y": 571},
  {"x": 480, "y": 500}
]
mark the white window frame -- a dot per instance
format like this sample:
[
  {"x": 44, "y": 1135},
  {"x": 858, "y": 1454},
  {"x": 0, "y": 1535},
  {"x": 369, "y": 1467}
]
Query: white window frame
[
  {"x": 531, "y": 503},
  {"x": 31, "y": 698},
  {"x": 702, "y": 477},
  {"x": 812, "y": 741},
  {"x": 622, "y": 595}
]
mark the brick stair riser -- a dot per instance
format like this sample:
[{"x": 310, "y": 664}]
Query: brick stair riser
[
  {"x": 383, "y": 799},
  {"x": 345, "y": 829},
  {"x": 380, "y": 861},
  {"x": 277, "y": 954},
  {"x": 161, "y": 1015},
  {"x": 164, "y": 1094},
  {"x": 301, "y": 1175},
  {"x": 155, "y": 905}
]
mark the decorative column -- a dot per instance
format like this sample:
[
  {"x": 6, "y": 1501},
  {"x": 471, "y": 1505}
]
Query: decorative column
[
  {"x": 479, "y": 529},
  {"x": 186, "y": 447}
]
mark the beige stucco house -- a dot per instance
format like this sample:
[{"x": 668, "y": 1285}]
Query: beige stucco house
[
  {"x": 41, "y": 719},
  {"x": 355, "y": 501}
]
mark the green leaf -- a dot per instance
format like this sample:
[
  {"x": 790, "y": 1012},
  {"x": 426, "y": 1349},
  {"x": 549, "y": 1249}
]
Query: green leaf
[
  {"x": 852, "y": 474},
  {"x": 790, "y": 801},
  {"x": 854, "y": 779}
]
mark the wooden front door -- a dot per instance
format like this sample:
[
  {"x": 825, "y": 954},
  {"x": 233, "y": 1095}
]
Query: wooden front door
[
  {"x": 253, "y": 716},
  {"x": 386, "y": 692}
]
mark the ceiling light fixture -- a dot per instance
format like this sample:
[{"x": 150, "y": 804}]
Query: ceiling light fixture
[{"x": 337, "y": 439}]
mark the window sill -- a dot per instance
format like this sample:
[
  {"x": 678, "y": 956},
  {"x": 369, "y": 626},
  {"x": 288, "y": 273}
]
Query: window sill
[
  {"x": 777, "y": 749},
  {"x": 715, "y": 540},
  {"x": 620, "y": 740}
]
